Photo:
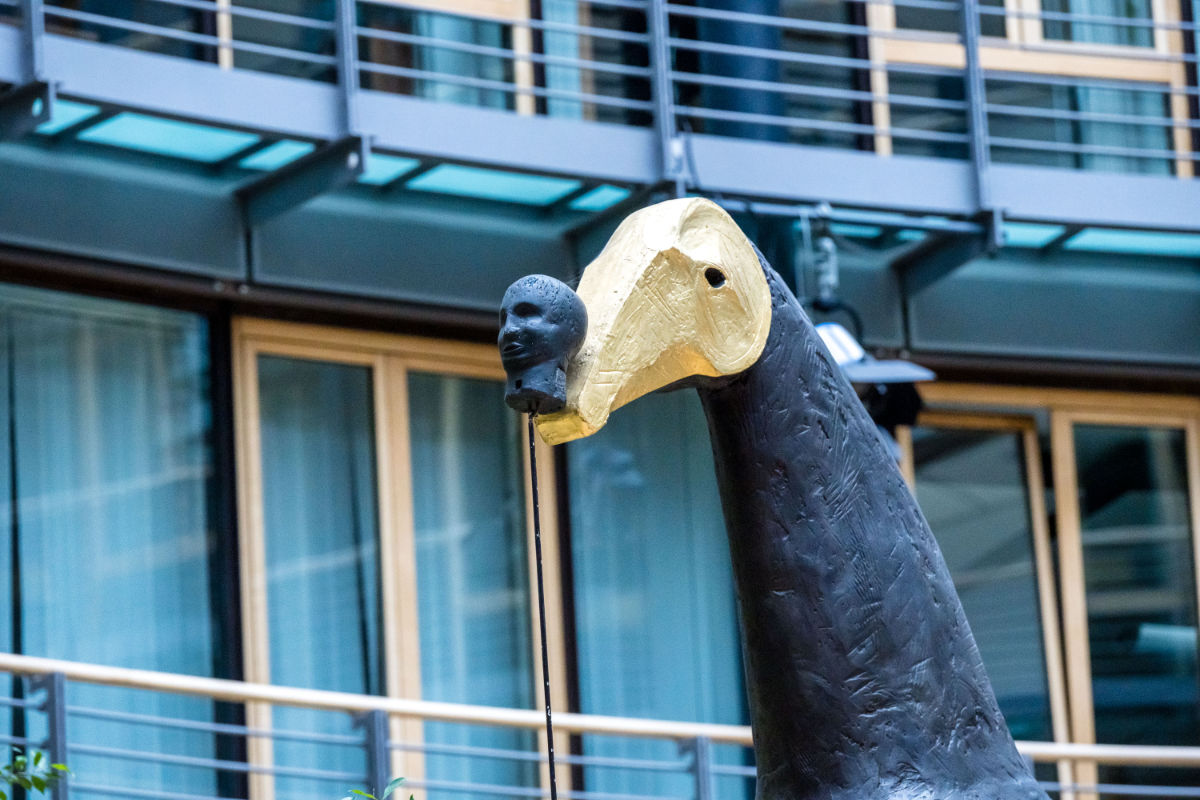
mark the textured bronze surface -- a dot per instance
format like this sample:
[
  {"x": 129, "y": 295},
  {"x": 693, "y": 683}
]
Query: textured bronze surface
[{"x": 864, "y": 680}]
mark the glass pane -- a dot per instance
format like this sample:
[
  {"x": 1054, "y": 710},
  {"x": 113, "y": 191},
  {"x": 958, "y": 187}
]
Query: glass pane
[
  {"x": 107, "y": 548},
  {"x": 972, "y": 488},
  {"x": 1100, "y": 32},
  {"x": 1139, "y": 576},
  {"x": 949, "y": 20},
  {"x": 472, "y": 570},
  {"x": 322, "y": 558},
  {"x": 656, "y": 619}
]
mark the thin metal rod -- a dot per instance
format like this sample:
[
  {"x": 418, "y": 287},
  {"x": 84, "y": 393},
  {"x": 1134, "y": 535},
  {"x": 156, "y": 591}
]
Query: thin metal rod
[{"x": 537, "y": 545}]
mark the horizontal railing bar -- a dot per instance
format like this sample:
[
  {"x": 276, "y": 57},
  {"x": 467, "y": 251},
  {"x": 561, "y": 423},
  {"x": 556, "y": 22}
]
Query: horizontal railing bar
[
  {"x": 817, "y": 91},
  {"x": 1149, "y": 55},
  {"x": 239, "y": 692},
  {"x": 1066, "y": 16},
  {"x": 253, "y": 13},
  {"x": 215, "y": 764},
  {"x": 1090, "y": 116},
  {"x": 1126, "y": 755},
  {"x": 525, "y": 755},
  {"x": 503, "y": 52},
  {"x": 735, "y": 771},
  {"x": 517, "y": 791},
  {"x": 188, "y": 36},
  {"x": 846, "y": 62},
  {"x": 1092, "y": 149},
  {"x": 1133, "y": 790},
  {"x": 95, "y": 788},
  {"x": 217, "y": 727},
  {"x": 1090, "y": 83},
  {"x": 24, "y": 741},
  {"x": 822, "y": 125},
  {"x": 535, "y": 24},
  {"x": 783, "y": 23},
  {"x": 13, "y": 702},
  {"x": 502, "y": 86}
]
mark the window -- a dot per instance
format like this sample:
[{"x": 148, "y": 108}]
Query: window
[
  {"x": 386, "y": 545},
  {"x": 109, "y": 550},
  {"x": 1120, "y": 518}
]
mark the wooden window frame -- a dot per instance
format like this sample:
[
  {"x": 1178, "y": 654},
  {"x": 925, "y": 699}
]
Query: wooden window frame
[
  {"x": 1067, "y": 408},
  {"x": 391, "y": 358}
]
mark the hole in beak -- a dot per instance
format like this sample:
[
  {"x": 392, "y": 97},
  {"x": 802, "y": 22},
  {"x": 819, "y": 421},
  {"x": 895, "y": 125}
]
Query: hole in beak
[{"x": 715, "y": 278}]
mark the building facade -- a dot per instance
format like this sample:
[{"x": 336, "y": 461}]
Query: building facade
[{"x": 251, "y": 424}]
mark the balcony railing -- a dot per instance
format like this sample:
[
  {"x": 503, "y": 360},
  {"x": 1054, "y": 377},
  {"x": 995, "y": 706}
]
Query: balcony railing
[
  {"x": 95, "y": 719},
  {"x": 970, "y": 108}
]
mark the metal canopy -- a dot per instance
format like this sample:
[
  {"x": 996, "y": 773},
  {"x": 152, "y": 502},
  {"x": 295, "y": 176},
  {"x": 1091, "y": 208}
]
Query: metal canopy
[{"x": 286, "y": 107}]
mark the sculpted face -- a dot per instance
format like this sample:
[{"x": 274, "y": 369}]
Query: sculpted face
[{"x": 542, "y": 324}]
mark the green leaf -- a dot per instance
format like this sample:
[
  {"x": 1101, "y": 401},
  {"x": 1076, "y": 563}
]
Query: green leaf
[
  {"x": 361, "y": 793},
  {"x": 60, "y": 767},
  {"x": 37, "y": 758},
  {"x": 24, "y": 782},
  {"x": 38, "y": 784},
  {"x": 391, "y": 787},
  {"x": 20, "y": 763},
  {"x": 3, "y": 795}
]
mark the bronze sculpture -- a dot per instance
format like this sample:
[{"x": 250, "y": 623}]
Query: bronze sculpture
[{"x": 863, "y": 677}]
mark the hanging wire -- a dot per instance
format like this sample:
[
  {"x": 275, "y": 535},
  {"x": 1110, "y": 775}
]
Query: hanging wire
[{"x": 537, "y": 544}]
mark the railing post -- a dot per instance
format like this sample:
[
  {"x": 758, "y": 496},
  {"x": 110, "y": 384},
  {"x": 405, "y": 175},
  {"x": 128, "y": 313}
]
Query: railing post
[
  {"x": 55, "y": 707},
  {"x": 702, "y": 763},
  {"x": 346, "y": 25},
  {"x": 975, "y": 90},
  {"x": 669, "y": 142},
  {"x": 375, "y": 726}
]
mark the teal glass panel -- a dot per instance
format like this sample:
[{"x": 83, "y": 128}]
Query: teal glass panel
[
  {"x": 168, "y": 137},
  {"x": 383, "y": 169},
  {"x": 1140, "y": 583},
  {"x": 1027, "y": 234},
  {"x": 277, "y": 155},
  {"x": 322, "y": 551},
  {"x": 600, "y": 198},
  {"x": 107, "y": 545},
  {"x": 472, "y": 573},
  {"x": 655, "y": 610},
  {"x": 1180, "y": 245},
  {"x": 972, "y": 488},
  {"x": 1100, "y": 32},
  {"x": 64, "y": 114},
  {"x": 491, "y": 184}
]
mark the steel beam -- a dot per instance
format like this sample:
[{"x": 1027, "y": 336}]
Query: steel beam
[
  {"x": 23, "y": 108},
  {"x": 936, "y": 257},
  {"x": 773, "y": 171},
  {"x": 329, "y": 167}
]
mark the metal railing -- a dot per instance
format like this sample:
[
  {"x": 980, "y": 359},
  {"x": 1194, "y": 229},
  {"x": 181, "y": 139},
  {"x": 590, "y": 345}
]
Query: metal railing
[
  {"x": 954, "y": 81},
  {"x": 162, "y": 736}
]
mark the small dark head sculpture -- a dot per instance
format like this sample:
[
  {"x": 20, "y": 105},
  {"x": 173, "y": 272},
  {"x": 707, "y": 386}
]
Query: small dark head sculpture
[{"x": 542, "y": 325}]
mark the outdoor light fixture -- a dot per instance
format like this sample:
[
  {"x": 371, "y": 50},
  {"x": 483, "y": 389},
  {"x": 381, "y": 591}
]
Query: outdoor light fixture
[{"x": 886, "y": 387}]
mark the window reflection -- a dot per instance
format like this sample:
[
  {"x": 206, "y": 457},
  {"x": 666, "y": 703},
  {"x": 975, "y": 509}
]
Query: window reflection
[
  {"x": 1139, "y": 577},
  {"x": 972, "y": 488}
]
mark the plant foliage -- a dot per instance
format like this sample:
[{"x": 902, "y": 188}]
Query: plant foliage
[
  {"x": 392, "y": 786},
  {"x": 31, "y": 774}
]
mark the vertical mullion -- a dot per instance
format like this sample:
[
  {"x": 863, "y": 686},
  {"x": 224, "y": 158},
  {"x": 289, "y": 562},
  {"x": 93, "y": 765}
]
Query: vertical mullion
[
  {"x": 908, "y": 464},
  {"x": 548, "y": 501},
  {"x": 398, "y": 556},
  {"x": 1047, "y": 596},
  {"x": 1074, "y": 593},
  {"x": 1192, "y": 448},
  {"x": 252, "y": 557}
]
